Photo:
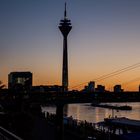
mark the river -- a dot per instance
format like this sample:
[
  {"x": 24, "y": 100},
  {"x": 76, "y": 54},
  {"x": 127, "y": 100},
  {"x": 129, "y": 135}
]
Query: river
[{"x": 97, "y": 114}]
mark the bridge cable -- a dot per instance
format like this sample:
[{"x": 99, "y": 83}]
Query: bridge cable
[{"x": 117, "y": 72}]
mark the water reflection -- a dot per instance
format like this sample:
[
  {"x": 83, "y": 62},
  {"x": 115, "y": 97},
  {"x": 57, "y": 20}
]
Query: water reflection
[{"x": 96, "y": 114}]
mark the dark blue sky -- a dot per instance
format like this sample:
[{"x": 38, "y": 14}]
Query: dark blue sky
[{"x": 105, "y": 37}]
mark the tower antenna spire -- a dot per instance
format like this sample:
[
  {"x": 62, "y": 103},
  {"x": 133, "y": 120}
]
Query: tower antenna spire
[
  {"x": 65, "y": 27},
  {"x": 65, "y": 12}
]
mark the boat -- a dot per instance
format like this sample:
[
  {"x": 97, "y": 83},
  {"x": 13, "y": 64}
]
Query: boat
[{"x": 124, "y": 107}]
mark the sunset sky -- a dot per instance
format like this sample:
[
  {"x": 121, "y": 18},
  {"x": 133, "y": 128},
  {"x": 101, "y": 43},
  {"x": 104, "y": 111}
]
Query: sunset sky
[{"x": 105, "y": 37}]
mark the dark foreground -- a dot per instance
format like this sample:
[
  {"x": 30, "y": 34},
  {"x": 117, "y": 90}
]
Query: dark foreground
[
  {"x": 35, "y": 125},
  {"x": 23, "y": 116},
  {"x": 36, "y": 128}
]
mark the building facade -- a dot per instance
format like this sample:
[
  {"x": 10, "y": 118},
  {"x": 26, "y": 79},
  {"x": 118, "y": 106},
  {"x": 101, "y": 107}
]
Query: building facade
[
  {"x": 118, "y": 88},
  {"x": 20, "y": 80}
]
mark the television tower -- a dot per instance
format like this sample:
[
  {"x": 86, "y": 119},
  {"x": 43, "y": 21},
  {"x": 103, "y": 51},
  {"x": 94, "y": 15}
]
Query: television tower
[{"x": 65, "y": 27}]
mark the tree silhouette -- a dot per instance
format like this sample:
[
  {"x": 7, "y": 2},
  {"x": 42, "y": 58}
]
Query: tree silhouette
[{"x": 1, "y": 85}]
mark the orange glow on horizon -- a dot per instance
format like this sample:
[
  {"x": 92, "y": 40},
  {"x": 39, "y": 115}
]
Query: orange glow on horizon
[{"x": 80, "y": 84}]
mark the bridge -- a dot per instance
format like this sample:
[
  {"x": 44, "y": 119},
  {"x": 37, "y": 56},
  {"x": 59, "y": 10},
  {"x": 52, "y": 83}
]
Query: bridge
[{"x": 59, "y": 99}]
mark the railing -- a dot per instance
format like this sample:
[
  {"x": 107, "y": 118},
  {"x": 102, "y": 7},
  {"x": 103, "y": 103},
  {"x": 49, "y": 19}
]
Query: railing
[{"x": 7, "y": 135}]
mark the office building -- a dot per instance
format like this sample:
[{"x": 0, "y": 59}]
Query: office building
[
  {"x": 20, "y": 80},
  {"x": 100, "y": 88},
  {"x": 90, "y": 87},
  {"x": 118, "y": 88}
]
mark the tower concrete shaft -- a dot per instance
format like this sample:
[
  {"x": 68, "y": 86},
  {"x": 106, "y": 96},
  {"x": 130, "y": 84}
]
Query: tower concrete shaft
[{"x": 65, "y": 27}]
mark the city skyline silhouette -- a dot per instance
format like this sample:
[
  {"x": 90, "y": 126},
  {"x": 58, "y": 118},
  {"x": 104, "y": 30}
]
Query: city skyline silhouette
[{"x": 105, "y": 38}]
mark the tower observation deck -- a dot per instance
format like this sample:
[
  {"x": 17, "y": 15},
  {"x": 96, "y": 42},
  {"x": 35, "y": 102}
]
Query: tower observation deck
[{"x": 65, "y": 27}]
